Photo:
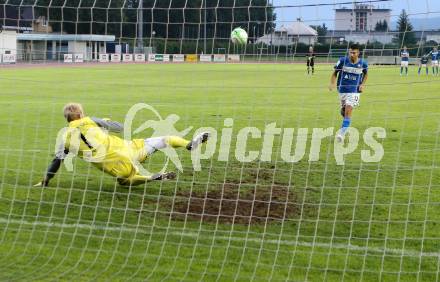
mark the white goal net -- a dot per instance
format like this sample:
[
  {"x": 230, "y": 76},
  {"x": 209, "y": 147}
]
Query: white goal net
[{"x": 272, "y": 194}]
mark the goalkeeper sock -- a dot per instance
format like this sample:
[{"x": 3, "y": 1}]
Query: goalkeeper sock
[
  {"x": 134, "y": 180},
  {"x": 176, "y": 141}
]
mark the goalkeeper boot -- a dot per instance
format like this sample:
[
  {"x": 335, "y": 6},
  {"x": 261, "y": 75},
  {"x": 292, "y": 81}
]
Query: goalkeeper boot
[{"x": 199, "y": 139}]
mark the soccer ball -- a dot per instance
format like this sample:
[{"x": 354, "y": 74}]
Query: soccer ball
[{"x": 239, "y": 36}]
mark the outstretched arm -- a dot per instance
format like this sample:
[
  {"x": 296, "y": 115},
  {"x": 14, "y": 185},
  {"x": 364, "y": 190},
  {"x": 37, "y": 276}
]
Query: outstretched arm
[
  {"x": 51, "y": 171},
  {"x": 108, "y": 124},
  {"x": 53, "y": 168}
]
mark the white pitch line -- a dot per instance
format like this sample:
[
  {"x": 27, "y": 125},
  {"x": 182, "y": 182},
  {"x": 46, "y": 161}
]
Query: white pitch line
[{"x": 351, "y": 247}]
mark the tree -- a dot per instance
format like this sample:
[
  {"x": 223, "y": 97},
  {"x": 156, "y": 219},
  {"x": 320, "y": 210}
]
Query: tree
[
  {"x": 381, "y": 26},
  {"x": 322, "y": 32},
  {"x": 405, "y": 35}
]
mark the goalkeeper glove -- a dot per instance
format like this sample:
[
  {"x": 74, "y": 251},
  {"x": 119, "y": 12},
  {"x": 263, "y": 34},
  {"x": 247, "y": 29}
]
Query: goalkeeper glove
[{"x": 42, "y": 183}]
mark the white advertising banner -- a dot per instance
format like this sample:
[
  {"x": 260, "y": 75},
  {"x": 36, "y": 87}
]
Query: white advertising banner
[
  {"x": 8, "y": 59},
  {"x": 126, "y": 58},
  {"x": 151, "y": 57},
  {"x": 139, "y": 58},
  {"x": 78, "y": 58},
  {"x": 178, "y": 58},
  {"x": 103, "y": 58},
  {"x": 233, "y": 58},
  {"x": 205, "y": 58},
  {"x": 68, "y": 58},
  {"x": 219, "y": 58},
  {"x": 115, "y": 58}
]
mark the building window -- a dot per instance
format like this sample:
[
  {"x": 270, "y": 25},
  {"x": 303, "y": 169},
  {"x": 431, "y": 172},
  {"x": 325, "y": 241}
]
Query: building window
[{"x": 361, "y": 21}]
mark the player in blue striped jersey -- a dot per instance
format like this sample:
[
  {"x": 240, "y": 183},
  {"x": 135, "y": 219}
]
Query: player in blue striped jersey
[
  {"x": 435, "y": 56},
  {"x": 349, "y": 76},
  {"x": 404, "y": 60}
]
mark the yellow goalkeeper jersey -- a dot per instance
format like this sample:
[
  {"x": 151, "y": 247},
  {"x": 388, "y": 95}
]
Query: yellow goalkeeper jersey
[{"x": 107, "y": 152}]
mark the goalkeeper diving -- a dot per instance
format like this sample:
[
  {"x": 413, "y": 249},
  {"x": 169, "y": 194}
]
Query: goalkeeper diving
[{"x": 90, "y": 138}]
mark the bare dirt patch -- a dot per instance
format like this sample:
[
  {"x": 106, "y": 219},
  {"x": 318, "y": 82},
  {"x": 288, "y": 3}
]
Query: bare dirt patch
[{"x": 228, "y": 203}]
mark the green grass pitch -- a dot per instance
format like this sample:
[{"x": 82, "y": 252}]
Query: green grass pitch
[{"x": 360, "y": 221}]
